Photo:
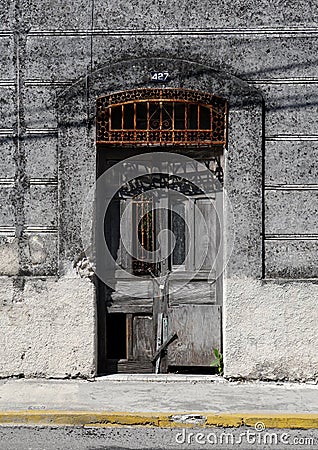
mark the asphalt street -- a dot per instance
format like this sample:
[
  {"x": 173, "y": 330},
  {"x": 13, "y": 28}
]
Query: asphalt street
[{"x": 79, "y": 438}]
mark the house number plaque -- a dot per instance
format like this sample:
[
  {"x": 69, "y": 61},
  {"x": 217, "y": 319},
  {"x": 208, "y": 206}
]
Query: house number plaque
[{"x": 159, "y": 77}]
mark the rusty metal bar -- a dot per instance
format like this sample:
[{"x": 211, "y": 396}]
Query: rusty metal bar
[
  {"x": 135, "y": 121},
  {"x": 173, "y": 135},
  {"x": 148, "y": 120},
  {"x": 122, "y": 122},
  {"x": 110, "y": 123},
  {"x": 160, "y": 121},
  {"x": 211, "y": 122},
  {"x": 142, "y": 223},
  {"x": 186, "y": 125}
]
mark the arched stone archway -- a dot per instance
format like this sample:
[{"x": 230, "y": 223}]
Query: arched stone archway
[{"x": 243, "y": 181}]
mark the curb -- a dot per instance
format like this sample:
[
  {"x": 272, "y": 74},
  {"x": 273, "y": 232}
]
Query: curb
[{"x": 162, "y": 420}]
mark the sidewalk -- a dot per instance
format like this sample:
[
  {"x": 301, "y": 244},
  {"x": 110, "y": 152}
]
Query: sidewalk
[{"x": 158, "y": 400}]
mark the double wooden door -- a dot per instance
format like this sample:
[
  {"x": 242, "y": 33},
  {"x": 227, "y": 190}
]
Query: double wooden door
[{"x": 168, "y": 283}]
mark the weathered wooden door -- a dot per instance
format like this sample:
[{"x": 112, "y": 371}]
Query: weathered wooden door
[
  {"x": 175, "y": 292},
  {"x": 195, "y": 296}
]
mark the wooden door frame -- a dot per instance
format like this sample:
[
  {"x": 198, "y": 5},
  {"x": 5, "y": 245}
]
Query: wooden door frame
[{"x": 103, "y": 160}]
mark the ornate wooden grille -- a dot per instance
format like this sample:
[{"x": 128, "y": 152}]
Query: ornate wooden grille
[{"x": 161, "y": 117}]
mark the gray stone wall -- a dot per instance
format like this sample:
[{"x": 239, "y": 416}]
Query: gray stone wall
[{"x": 48, "y": 311}]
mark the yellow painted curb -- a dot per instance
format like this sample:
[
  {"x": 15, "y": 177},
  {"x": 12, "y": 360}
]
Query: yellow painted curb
[
  {"x": 163, "y": 420},
  {"x": 267, "y": 420}
]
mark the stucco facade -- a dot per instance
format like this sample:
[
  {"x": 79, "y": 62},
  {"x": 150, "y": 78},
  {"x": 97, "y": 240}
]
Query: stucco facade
[{"x": 56, "y": 58}]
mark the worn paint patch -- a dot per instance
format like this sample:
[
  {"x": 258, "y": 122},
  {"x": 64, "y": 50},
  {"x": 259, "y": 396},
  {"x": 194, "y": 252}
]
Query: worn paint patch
[{"x": 196, "y": 419}]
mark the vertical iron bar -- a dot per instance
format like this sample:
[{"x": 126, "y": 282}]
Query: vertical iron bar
[
  {"x": 147, "y": 228},
  {"x": 136, "y": 248},
  {"x": 135, "y": 121},
  {"x": 142, "y": 231},
  {"x": 186, "y": 123},
  {"x": 211, "y": 122},
  {"x": 149, "y": 213},
  {"x": 152, "y": 226},
  {"x": 122, "y": 122},
  {"x": 110, "y": 123},
  {"x": 198, "y": 126},
  {"x": 148, "y": 120},
  {"x": 160, "y": 121},
  {"x": 173, "y": 122}
]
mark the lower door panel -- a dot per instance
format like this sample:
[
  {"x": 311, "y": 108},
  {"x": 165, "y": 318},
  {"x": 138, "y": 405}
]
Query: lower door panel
[{"x": 199, "y": 331}]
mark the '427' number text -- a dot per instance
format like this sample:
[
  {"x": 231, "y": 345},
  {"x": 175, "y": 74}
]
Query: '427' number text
[{"x": 159, "y": 76}]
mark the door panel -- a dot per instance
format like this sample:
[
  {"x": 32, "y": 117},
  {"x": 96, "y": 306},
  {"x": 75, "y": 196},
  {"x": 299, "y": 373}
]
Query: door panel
[
  {"x": 143, "y": 338},
  {"x": 197, "y": 292},
  {"x": 199, "y": 331},
  {"x": 134, "y": 289},
  {"x": 204, "y": 234}
]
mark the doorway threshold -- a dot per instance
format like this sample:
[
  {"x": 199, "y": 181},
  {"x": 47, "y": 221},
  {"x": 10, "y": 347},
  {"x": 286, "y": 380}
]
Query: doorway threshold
[{"x": 162, "y": 378}]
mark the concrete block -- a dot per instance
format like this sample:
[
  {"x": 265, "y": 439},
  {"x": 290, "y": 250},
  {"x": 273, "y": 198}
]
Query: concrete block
[
  {"x": 57, "y": 57},
  {"x": 7, "y": 19},
  {"x": 288, "y": 162},
  {"x": 291, "y": 259},
  {"x": 48, "y": 15},
  {"x": 41, "y": 206},
  {"x": 40, "y": 254},
  {"x": 7, "y": 163},
  {"x": 291, "y": 109},
  {"x": 201, "y": 14},
  {"x": 6, "y": 56},
  {"x": 7, "y": 110},
  {"x": 291, "y": 212},
  {"x": 9, "y": 256},
  {"x": 7, "y": 217},
  {"x": 39, "y": 107},
  {"x": 40, "y": 155}
]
